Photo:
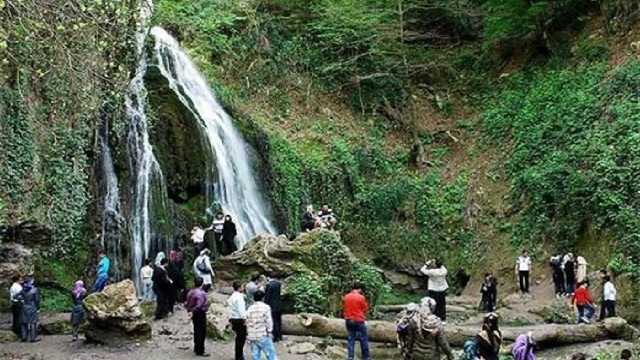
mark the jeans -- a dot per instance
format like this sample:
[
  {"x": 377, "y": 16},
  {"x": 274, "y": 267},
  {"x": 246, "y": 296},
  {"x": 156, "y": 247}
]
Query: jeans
[
  {"x": 610, "y": 308},
  {"x": 585, "y": 311},
  {"x": 264, "y": 345},
  {"x": 357, "y": 331},
  {"x": 101, "y": 282},
  {"x": 147, "y": 290},
  {"x": 199, "y": 319},
  {"x": 240, "y": 329},
  {"x": 524, "y": 281}
]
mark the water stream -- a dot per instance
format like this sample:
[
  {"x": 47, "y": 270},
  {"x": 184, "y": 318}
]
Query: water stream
[{"x": 231, "y": 180}]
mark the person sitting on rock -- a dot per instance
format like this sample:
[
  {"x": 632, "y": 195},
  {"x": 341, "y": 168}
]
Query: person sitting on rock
[
  {"x": 421, "y": 334},
  {"x": 308, "y": 219},
  {"x": 327, "y": 218},
  {"x": 78, "y": 293},
  {"x": 102, "y": 272},
  {"x": 197, "y": 305},
  {"x": 489, "y": 339}
]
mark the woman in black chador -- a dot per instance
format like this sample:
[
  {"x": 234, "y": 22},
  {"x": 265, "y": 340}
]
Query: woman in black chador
[{"x": 229, "y": 233}]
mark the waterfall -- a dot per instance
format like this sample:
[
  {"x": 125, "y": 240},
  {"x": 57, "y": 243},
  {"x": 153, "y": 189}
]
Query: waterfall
[
  {"x": 112, "y": 221},
  {"x": 149, "y": 197},
  {"x": 231, "y": 180}
]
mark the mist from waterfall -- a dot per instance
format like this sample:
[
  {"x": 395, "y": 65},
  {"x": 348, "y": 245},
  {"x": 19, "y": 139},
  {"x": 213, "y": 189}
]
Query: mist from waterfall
[
  {"x": 231, "y": 180},
  {"x": 149, "y": 197}
]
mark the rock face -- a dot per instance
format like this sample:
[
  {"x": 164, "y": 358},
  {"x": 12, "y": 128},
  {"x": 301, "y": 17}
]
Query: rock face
[
  {"x": 115, "y": 317},
  {"x": 14, "y": 259},
  {"x": 268, "y": 254},
  {"x": 217, "y": 317}
]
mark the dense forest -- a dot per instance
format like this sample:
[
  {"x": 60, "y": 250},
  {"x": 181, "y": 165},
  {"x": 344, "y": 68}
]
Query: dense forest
[{"x": 464, "y": 129}]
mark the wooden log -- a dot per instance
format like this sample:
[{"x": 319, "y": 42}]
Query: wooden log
[{"x": 546, "y": 335}]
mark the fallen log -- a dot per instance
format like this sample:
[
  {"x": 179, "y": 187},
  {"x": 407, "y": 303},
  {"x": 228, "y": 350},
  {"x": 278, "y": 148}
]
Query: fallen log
[{"x": 546, "y": 335}]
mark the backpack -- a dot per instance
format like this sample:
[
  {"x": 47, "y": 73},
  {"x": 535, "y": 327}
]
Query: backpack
[{"x": 202, "y": 267}]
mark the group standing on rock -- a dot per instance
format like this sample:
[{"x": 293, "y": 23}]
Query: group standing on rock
[
  {"x": 224, "y": 232},
  {"x": 325, "y": 218}
]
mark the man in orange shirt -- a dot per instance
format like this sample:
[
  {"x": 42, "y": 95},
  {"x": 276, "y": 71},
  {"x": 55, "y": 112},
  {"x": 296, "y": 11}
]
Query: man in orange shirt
[
  {"x": 584, "y": 302},
  {"x": 354, "y": 308}
]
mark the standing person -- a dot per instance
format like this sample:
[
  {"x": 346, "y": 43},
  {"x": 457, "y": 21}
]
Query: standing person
[
  {"x": 237, "y": 317},
  {"x": 15, "y": 297},
  {"x": 202, "y": 268},
  {"x": 437, "y": 286},
  {"x": 273, "y": 298},
  {"x": 558, "y": 275},
  {"x": 102, "y": 272},
  {"x": 421, "y": 334},
  {"x": 584, "y": 303},
  {"x": 251, "y": 288},
  {"x": 524, "y": 348},
  {"x": 197, "y": 305},
  {"x": 229, "y": 233},
  {"x": 581, "y": 269},
  {"x": 197, "y": 236},
  {"x": 146, "y": 275},
  {"x": 308, "y": 219},
  {"x": 523, "y": 271},
  {"x": 30, "y": 310},
  {"x": 177, "y": 281},
  {"x": 489, "y": 291},
  {"x": 162, "y": 287},
  {"x": 610, "y": 294},
  {"x": 260, "y": 328},
  {"x": 570, "y": 274},
  {"x": 78, "y": 293},
  {"x": 603, "y": 311},
  {"x": 218, "y": 225},
  {"x": 176, "y": 256},
  {"x": 489, "y": 339},
  {"x": 354, "y": 308}
]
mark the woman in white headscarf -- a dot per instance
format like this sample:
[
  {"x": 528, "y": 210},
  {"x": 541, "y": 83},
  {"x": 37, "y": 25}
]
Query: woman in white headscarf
[
  {"x": 202, "y": 268},
  {"x": 159, "y": 256},
  {"x": 421, "y": 334}
]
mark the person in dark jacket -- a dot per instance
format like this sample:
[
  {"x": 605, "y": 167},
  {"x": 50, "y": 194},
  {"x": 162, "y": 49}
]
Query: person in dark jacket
[
  {"x": 30, "y": 309},
  {"x": 489, "y": 291},
  {"x": 489, "y": 339},
  {"x": 177, "y": 284},
  {"x": 229, "y": 233},
  {"x": 78, "y": 293},
  {"x": 162, "y": 287},
  {"x": 273, "y": 299},
  {"x": 558, "y": 274},
  {"x": 570, "y": 274}
]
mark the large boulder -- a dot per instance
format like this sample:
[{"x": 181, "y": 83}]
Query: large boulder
[
  {"x": 114, "y": 316},
  {"x": 217, "y": 317}
]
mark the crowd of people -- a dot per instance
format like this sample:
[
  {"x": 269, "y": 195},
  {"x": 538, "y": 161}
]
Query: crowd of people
[
  {"x": 219, "y": 236},
  {"x": 325, "y": 218}
]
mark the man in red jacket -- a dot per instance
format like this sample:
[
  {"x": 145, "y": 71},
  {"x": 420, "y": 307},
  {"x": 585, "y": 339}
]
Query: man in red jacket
[
  {"x": 584, "y": 302},
  {"x": 354, "y": 308}
]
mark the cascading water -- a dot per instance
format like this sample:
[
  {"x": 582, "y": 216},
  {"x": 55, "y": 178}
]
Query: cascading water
[
  {"x": 149, "y": 196},
  {"x": 232, "y": 180},
  {"x": 112, "y": 221}
]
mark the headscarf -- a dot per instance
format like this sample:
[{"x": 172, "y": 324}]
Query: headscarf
[
  {"x": 78, "y": 289},
  {"x": 159, "y": 258},
  {"x": 27, "y": 285},
  {"x": 523, "y": 348},
  {"x": 205, "y": 252}
]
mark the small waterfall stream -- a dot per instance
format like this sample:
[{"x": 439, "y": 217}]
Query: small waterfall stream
[
  {"x": 149, "y": 197},
  {"x": 231, "y": 178}
]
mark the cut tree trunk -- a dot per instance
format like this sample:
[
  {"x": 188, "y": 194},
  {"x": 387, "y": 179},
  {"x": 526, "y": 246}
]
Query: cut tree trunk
[{"x": 547, "y": 336}]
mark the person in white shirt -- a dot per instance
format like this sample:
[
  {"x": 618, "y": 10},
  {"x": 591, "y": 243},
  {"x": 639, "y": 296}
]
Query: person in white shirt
[
  {"x": 16, "y": 303},
  {"x": 581, "y": 272},
  {"x": 523, "y": 271},
  {"x": 217, "y": 226},
  {"x": 197, "y": 236},
  {"x": 609, "y": 297},
  {"x": 202, "y": 268},
  {"x": 437, "y": 286},
  {"x": 237, "y": 317},
  {"x": 146, "y": 275}
]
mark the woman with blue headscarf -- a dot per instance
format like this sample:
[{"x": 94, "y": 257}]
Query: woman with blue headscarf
[{"x": 30, "y": 308}]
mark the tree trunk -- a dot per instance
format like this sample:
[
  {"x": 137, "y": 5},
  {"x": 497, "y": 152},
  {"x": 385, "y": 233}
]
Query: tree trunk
[{"x": 547, "y": 336}]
